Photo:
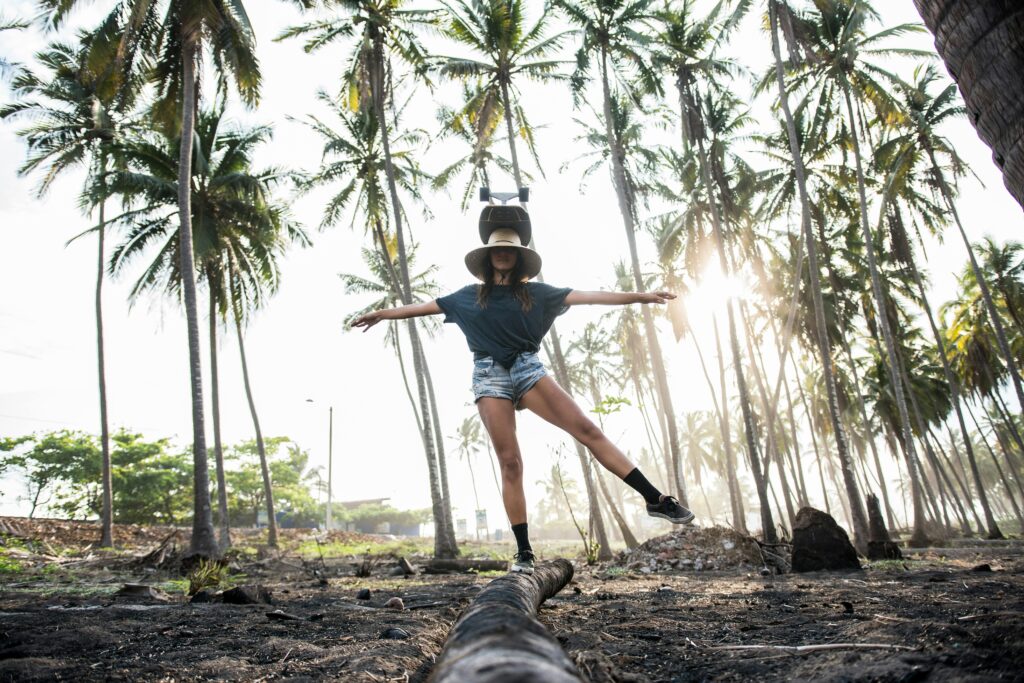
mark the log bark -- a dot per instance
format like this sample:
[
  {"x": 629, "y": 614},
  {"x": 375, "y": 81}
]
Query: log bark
[
  {"x": 498, "y": 638},
  {"x": 982, "y": 44}
]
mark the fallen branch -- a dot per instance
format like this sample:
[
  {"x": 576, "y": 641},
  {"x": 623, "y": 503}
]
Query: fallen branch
[
  {"x": 990, "y": 615},
  {"x": 804, "y": 649},
  {"x": 498, "y": 637}
]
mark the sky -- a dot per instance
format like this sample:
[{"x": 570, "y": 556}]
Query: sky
[{"x": 302, "y": 361}]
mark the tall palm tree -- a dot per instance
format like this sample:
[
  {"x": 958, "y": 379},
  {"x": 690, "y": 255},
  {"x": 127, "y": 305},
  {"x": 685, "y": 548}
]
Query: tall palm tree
[
  {"x": 75, "y": 122},
  {"x": 836, "y": 34},
  {"x": 239, "y": 235},
  {"x": 901, "y": 156},
  {"x": 612, "y": 35},
  {"x": 976, "y": 39},
  {"x": 172, "y": 35},
  {"x": 505, "y": 50},
  {"x": 1004, "y": 267}
]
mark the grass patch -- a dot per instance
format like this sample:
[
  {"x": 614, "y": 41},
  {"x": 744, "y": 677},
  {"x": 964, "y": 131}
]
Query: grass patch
[
  {"x": 9, "y": 565},
  {"x": 397, "y": 547}
]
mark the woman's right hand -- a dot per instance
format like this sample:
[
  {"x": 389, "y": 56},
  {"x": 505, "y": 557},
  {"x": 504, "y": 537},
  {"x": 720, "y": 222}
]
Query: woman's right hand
[{"x": 368, "y": 320}]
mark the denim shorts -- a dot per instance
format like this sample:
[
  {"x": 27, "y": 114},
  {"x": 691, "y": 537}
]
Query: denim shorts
[{"x": 490, "y": 379}]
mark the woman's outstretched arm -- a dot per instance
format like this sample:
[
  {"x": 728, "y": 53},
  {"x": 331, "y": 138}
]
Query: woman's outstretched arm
[
  {"x": 576, "y": 298},
  {"x": 411, "y": 311}
]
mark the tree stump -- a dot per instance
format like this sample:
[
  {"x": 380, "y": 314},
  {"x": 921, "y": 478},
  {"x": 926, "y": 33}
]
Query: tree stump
[
  {"x": 498, "y": 638},
  {"x": 880, "y": 545}
]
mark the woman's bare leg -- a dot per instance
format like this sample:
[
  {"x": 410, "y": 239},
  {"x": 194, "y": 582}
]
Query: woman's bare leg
[
  {"x": 499, "y": 418},
  {"x": 550, "y": 401}
]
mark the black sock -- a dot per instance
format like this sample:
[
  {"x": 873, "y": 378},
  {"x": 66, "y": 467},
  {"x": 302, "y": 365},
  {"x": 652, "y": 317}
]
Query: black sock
[
  {"x": 522, "y": 536},
  {"x": 639, "y": 482}
]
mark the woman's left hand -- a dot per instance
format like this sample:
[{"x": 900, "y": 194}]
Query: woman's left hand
[{"x": 656, "y": 297}]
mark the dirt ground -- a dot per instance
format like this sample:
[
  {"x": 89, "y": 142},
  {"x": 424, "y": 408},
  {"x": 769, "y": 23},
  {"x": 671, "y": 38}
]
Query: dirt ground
[{"x": 923, "y": 619}]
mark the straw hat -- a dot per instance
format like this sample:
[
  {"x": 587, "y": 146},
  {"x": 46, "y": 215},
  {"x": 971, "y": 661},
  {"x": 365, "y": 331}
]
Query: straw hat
[{"x": 503, "y": 237}]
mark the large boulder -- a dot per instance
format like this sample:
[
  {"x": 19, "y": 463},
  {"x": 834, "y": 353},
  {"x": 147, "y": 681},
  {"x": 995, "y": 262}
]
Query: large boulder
[{"x": 819, "y": 543}]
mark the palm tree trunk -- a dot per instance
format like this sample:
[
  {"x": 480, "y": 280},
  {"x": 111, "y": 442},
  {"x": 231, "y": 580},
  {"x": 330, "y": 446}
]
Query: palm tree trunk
[
  {"x": 561, "y": 373},
  {"x": 442, "y": 461},
  {"x": 445, "y": 546},
  {"x": 203, "y": 541},
  {"x": 860, "y": 526},
  {"x": 268, "y": 489},
  {"x": 624, "y": 530},
  {"x": 735, "y": 494},
  {"x": 628, "y": 211},
  {"x": 218, "y": 450},
  {"x": 992, "y": 528},
  {"x": 107, "y": 510},
  {"x": 797, "y": 466},
  {"x": 959, "y": 475},
  {"x": 997, "y": 322},
  {"x": 919, "y": 537},
  {"x": 760, "y": 483}
]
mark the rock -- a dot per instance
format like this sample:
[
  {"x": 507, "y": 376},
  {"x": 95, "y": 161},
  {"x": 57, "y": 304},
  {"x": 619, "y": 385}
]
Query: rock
[
  {"x": 205, "y": 595},
  {"x": 363, "y": 594},
  {"x": 279, "y": 615},
  {"x": 141, "y": 590},
  {"x": 394, "y": 633},
  {"x": 395, "y": 603},
  {"x": 819, "y": 543},
  {"x": 880, "y": 546},
  {"x": 250, "y": 594},
  {"x": 986, "y": 567}
]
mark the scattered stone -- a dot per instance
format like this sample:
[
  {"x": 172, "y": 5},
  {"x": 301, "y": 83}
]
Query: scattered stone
[
  {"x": 847, "y": 606},
  {"x": 692, "y": 549},
  {"x": 319, "y": 616},
  {"x": 250, "y": 594},
  {"x": 363, "y": 594},
  {"x": 280, "y": 615},
  {"x": 394, "y": 633},
  {"x": 986, "y": 567},
  {"x": 395, "y": 603},
  {"x": 205, "y": 595},
  {"x": 821, "y": 544},
  {"x": 141, "y": 590}
]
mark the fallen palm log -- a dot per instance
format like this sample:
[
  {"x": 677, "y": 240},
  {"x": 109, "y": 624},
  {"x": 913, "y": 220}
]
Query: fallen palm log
[{"x": 498, "y": 638}]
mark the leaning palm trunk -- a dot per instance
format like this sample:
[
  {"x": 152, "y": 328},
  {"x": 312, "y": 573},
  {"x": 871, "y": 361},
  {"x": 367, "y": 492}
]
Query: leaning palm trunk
[
  {"x": 978, "y": 40},
  {"x": 203, "y": 541},
  {"x": 268, "y": 489},
  {"x": 107, "y": 512},
  {"x": 218, "y": 450},
  {"x": 824, "y": 352},
  {"x": 627, "y": 209},
  {"x": 442, "y": 462},
  {"x": 739, "y": 520},
  {"x": 891, "y": 362},
  {"x": 992, "y": 528},
  {"x": 986, "y": 294},
  {"x": 688, "y": 106},
  {"x": 445, "y": 545},
  {"x": 561, "y": 373}
]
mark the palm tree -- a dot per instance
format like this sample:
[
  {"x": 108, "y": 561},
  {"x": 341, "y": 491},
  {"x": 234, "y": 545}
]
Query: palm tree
[
  {"x": 75, "y": 123},
  {"x": 173, "y": 35},
  {"x": 978, "y": 48},
  {"x": 1004, "y": 267},
  {"x": 900, "y": 157},
  {"x": 840, "y": 71},
  {"x": 612, "y": 33},
  {"x": 468, "y": 440},
  {"x": 496, "y": 30},
  {"x": 239, "y": 235}
]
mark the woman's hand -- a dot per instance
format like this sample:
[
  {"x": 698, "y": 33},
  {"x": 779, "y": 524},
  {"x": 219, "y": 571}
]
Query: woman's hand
[
  {"x": 368, "y": 320},
  {"x": 655, "y": 297}
]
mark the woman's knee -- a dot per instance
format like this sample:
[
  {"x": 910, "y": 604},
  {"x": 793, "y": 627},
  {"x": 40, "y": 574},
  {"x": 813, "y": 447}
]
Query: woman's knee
[
  {"x": 586, "y": 432},
  {"x": 511, "y": 466}
]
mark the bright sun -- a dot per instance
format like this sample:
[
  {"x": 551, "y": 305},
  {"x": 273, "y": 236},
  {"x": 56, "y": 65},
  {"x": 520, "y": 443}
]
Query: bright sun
[{"x": 713, "y": 290}]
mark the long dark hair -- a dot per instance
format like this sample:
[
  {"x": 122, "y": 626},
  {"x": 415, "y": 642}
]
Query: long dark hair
[{"x": 517, "y": 281}]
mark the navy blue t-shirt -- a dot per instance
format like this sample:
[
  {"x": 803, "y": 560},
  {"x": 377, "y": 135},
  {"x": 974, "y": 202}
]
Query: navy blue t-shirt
[{"x": 503, "y": 330}]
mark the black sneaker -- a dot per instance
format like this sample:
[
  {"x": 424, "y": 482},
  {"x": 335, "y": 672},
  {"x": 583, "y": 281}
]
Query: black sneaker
[
  {"x": 523, "y": 563},
  {"x": 670, "y": 509}
]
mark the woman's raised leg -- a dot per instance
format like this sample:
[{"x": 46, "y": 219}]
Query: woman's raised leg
[
  {"x": 552, "y": 403},
  {"x": 499, "y": 418}
]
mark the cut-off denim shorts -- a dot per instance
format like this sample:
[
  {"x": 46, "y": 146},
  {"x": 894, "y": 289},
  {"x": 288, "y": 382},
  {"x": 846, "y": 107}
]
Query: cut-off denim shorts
[{"x": 490, "y": 379}]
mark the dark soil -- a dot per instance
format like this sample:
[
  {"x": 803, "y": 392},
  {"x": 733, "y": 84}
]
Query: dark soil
[{"x": 935, "y": 620}]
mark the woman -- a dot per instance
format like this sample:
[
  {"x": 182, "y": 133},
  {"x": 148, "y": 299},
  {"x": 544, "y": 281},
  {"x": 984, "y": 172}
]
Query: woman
[{"x": 504, "y": 320}]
